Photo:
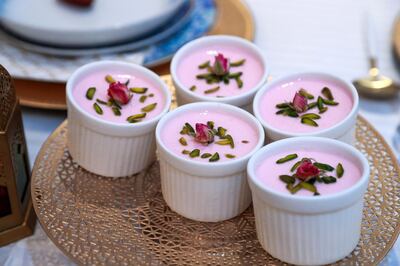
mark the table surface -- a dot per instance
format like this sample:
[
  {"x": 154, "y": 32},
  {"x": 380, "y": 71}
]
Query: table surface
[{"x": 295, "y": 36}]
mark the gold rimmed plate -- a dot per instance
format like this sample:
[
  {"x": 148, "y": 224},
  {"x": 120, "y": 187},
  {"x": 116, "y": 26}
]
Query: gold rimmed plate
[{"x": 103, "y": 221}]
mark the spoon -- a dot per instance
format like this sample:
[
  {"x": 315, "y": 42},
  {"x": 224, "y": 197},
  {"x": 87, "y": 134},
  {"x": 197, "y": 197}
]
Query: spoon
[{"x": 375, "y": 85}]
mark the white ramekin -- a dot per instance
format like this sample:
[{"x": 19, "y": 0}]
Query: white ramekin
[
  {"x": 343, "y": 131},
  {"x": 106, "y": 148},
  {"x": 308, "y": 230},
  {"x": 204, "y": 191},
  {"x": 243, "y": 100}
]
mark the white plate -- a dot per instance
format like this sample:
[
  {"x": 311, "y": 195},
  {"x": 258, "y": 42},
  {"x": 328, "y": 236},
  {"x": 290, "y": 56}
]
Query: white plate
[
  {"x": 105, "y": 22},
  {"x": 172, "y": 26}
]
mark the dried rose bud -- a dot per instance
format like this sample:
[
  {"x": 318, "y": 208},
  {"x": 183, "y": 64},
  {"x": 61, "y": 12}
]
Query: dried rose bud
[
  {"x": 119, "y": 92},
  {"x": 221, "y": 65},
  {"x": 307, "y": 170},
  {"x": 204, "y": 134},
  {"x": 299, "y": 103}
]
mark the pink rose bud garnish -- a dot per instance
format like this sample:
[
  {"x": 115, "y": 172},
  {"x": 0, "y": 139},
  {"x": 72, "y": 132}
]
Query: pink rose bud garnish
[
  {"x": 204, "y": 134},
  {"x": 307, "y": 170},
  {"x": 299, "y": 103},
  {"x": 119, "y": 92},
  {"x": 221, "y": 65}
]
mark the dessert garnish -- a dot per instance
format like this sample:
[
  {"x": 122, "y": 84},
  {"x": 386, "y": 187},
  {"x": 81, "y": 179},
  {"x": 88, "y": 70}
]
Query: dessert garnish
[
  {"x": 307, "y": 172},
  {"x": 299, "y": 106},
  {"x": 219, "y": 71},
  {"x": 206, "y": 134},
  {"x": 118, "y": 95}
]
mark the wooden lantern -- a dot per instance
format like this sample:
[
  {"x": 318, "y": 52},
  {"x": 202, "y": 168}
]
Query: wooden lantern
[{"x": 17, "y": 217}]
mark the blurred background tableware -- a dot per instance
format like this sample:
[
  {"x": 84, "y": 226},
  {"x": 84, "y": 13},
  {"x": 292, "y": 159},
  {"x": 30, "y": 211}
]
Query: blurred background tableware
[
  {"x": 40, "y": 78},
  {"x": 103, "y": 22},
  {"x": 375, "y": 85}
]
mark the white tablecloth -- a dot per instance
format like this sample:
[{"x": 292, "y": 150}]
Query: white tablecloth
[{"x": 322, "y": 35}]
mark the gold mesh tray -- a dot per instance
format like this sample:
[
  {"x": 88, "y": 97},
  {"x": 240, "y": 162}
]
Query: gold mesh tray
[{"x": 100, "y": 221}]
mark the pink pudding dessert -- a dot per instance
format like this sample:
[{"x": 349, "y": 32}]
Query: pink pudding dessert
[
  {"x": 209, "y": 136},
  {"x": 308, "y": 172},
  {"x": 305, "y": 105},
  {"x": 220, "y": 70},
  {"x": 119, "y": 97}
]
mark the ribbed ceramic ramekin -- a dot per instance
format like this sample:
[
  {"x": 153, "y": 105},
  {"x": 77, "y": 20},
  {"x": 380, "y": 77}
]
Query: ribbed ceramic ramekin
[
  {"x": 343, "y": 131},
  {"x": 106, "y": 148},
  {"x": 308, "y": 230},
  {"x": 204, "y": 191},
  {"x": 243, "y": 100}
]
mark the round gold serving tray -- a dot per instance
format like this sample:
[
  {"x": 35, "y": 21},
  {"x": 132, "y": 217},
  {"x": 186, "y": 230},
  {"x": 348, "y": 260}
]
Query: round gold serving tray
[{"x": 102, "y": 221}]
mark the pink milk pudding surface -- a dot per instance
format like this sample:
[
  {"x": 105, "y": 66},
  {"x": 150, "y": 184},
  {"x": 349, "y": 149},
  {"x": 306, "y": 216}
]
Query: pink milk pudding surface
[
  {"x": 133, "y": 107},
  {"x": 188, "y": 68},
  {"x": 269, "y": 171},
  {"x": 239, "y": 129},
  {"x": 285, "y": 92}
]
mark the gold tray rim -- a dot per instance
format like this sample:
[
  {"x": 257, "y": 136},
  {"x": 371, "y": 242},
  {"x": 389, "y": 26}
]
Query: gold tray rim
[{"x": 56, "y": 132}]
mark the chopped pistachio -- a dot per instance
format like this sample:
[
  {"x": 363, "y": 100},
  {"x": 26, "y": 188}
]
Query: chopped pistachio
[
  {"x": 294, "y": 167},
  {"x": 142, "y": 98},
  {"x": 138, "y": 90},
  {"x": 245, "y": 141},
  {"x": 237, "y": 63},
  {"x": 235, "y": 75},
  {"x": 306, "y": 94},
  {"x": 90, "y": 93},
  {"x": 136, "y": 118},
  {"x": 329, "y": 102},
  {"x": 109, "y": 79},
  {"x": 204, "y": 65},
  {"x": 193, "y": 88},
  {"x": 324, "y": 166},
  {"x": 239, "y": 82},
  {"x": 101, "y": 102},
  {"x": 288, "y": 179},
  {"x": 206, "y": 155},
  {"x": 311, "y": 116},
  {"x": 183, "y": 141},
  {"x": 327, "y": 93},
  {"x": 185, "y": 152},
  {"x": 210, "y": 124},
  {"x": 194, "y": 153},
  {"x": 230, "y": 156},
  {"x": 282, "y": 105},
  {"x": 221, "y": 132},
  {"x": 308, "y": 121},
  {"x": 149, "y": 108},
  {"x": 287, "y": 158},
  {"x": 98, "y": 109},
  {"x": 116, "y": 111},
  {"x": 339, "y": 170},
  {"x": 214, "y": 157},
  {"x": 212, "y": 90}
]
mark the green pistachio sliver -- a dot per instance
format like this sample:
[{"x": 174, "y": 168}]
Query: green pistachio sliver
[
  {"x": 232, "y": 143},
  {"x": 98, "y": 109},
  {"x": 287, "y": 158},
  {"x": 193, "y": 88},
  {"x": 190, "y": 129},
  {"x": 223, "y": 142},
  {"x": 282, "y": 105},
  {"x": 221, "y": 132},
  {"x": 306, "y": 94},
  {"x": 183, "y": 141},
  {"x": 288, "y": 179},
  {"x": 308, "y": 186},
  {"x": 324, "y": 166},
  {"x": 311, "y": 116},
  {"x": 339, "y": 170},
  {"x": 151, "y": 95},
  {"x": 329, "y": 102},
  {"x": 239, "y": 82},
  {"x": 237, "y": 63},
  {"x": 230, "y": 156},
  {"x": 327, "y": 93},
  {"x": 110, "y": 103},
  {"x": 204, "y": 65},
  {"x": 101, "y": 102},
  {"x": 116, "y": 111},
  {"x": 138, "y": 90},
  {"x": 205, "y": 76},
  {"x": 287, "y": 112},
  {"x": 235, "y": 75},
  {"x": 214, "y": 157},
  {"x": 328, "y": 179},
  {"x": 90, "y": 93},
  {"x": 312, "y": 105},
  {"x": 135, "y": 118},
  {"x": 245, "y": 141},
  {"x": 212, "y": 90},
  {"x": 320, "y": 103},
  {"x": 149, "y": 108},
  {"x": 294, "y": 189},
  {"x": 127, "y": 82},
  {"x": 194, "y": 153},
  {"x": 323, "y": 110},
  {"x": 109, "y": 79},
  {"x": 185, "y": 152},
  {"x": 294, "y": 167},
  {"x": 309, "y": 122},
  {"x": 142, "y": 98},
  {"x": 205, "y": 155},
  {"x": 210, "y": 124}
]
